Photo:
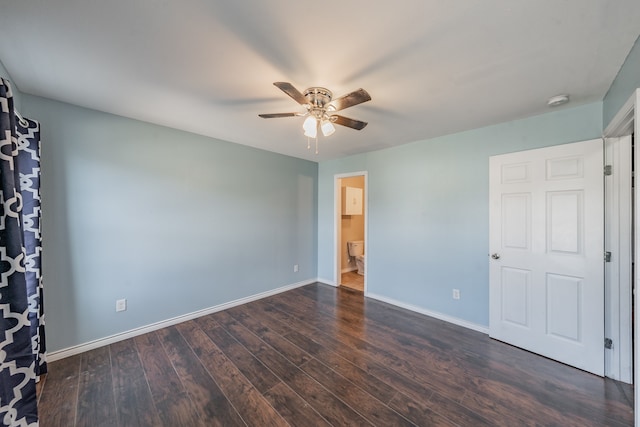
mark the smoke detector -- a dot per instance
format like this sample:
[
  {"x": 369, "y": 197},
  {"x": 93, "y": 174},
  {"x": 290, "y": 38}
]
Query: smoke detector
[{"x": 554, "y": 101}]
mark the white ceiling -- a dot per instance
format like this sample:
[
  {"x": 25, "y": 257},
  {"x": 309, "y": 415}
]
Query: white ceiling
[{"x": 432, "y": 67}]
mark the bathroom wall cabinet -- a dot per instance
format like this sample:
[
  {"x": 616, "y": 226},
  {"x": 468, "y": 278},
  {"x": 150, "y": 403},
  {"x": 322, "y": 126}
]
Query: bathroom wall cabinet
[{"x": 351, "y": 201}]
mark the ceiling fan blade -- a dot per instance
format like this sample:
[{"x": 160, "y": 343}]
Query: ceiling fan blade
[
  {"x": 351, "y": 123},
  {"x": 349, "y": 100},
  {"x": 292, "y": 92},
  {"x": 276, "y": 115}
]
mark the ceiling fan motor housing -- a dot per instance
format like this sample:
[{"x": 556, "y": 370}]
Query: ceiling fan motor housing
[{"x": 318, "y": 97}]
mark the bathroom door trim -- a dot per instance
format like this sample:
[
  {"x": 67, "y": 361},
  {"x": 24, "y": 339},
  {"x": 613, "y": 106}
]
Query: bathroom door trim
[{"x": 337, "y": 217}]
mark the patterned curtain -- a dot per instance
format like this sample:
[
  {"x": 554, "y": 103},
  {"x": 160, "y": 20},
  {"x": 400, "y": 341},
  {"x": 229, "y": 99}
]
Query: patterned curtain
[{"x": 22, "y": 345}]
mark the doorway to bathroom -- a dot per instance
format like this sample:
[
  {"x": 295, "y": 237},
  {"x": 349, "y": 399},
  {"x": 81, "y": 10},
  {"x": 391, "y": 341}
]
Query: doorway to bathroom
[{"x": 351, "y": 230}]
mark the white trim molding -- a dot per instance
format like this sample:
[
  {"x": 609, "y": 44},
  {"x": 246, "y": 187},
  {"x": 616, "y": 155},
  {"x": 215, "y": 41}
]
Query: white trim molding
[
  {"x": 618, "y": 242},
  {"x": 623, "y": 122},
  {"x": 326, "y": 282},
  {"x": 619, "y": 361},
  {"x": 455, "y": 320},
  {"x": 101, "y": 342}
]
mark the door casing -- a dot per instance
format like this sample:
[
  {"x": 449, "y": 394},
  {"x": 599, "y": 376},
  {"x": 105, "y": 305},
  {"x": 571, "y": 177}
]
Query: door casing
[
  {"x": 337, "y": 216},
  {"x": 618, "y": 242}
]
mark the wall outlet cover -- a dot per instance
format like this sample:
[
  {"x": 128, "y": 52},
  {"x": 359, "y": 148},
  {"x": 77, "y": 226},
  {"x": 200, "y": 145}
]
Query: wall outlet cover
[{"x": 121, "y": 304}]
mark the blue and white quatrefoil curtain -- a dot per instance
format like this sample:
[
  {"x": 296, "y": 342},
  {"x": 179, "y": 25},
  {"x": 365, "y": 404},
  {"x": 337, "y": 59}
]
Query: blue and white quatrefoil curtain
[{"x": 22, "y": 348}]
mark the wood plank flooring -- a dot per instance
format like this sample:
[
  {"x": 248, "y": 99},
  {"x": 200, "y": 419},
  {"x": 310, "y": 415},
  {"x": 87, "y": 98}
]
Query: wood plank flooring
[{"x": 320, "y": 356}]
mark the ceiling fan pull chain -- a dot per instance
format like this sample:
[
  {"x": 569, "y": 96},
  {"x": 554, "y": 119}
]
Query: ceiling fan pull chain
[
  {"x": 316, "y": 145},
  {"x": 308, "y": 143}
]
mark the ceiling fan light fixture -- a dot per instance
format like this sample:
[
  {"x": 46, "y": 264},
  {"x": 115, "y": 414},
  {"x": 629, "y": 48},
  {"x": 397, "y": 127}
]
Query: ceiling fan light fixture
[
  {"x": 327, "y": 128},
  {"x": 310, "y": 127},
  {"x": 311, "y": 134}
]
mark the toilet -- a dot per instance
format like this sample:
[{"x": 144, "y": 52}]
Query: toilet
[{"x": 356, "y": 250}]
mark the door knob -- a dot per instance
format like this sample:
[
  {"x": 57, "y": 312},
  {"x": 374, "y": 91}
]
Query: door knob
[{"x": 495, "y": 256}]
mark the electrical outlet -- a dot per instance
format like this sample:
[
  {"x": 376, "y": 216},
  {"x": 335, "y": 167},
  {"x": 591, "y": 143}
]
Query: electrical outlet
[
  {"x": 295, "y": 268},
  {"x": 456, "y": 294},
  {"x": 121, "y": 304}
]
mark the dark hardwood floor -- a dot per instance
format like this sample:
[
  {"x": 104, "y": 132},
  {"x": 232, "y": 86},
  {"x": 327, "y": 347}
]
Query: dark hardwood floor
[{"x": 318, "y": 356}]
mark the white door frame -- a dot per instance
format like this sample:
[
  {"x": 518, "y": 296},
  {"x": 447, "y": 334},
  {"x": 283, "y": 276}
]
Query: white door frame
[
  {"x": 618, "y": 229},
  {"x": 337, "y": 218},
  {"x": 625, "y": 122}
]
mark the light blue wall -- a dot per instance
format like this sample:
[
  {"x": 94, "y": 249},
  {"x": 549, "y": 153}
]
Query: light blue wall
[
  {"x": 173, "y": 222},
  {"x": 627, "y": 81},
  {"x": 428, "y": 225},
  {"x": 17, "y": 96},
  {"x": 3, "y": 71}
]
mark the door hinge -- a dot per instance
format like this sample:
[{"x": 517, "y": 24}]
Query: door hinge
[
  {"x": 608, "y": 170},
  {"x": 607, "y": 256},
  {"x": 608, "y": 343}
]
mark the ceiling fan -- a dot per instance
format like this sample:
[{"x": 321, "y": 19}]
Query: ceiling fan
[{"x": 320, "y": 108}]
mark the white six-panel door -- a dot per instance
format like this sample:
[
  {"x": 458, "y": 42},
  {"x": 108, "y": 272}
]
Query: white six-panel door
[{"x": 546, "y": 260}]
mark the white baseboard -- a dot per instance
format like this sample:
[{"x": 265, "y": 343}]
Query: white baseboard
[
  {"x": 327, "y": 282},
  {"x": 100, "y": 342},
  {"x": 435, "y": 314}
]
